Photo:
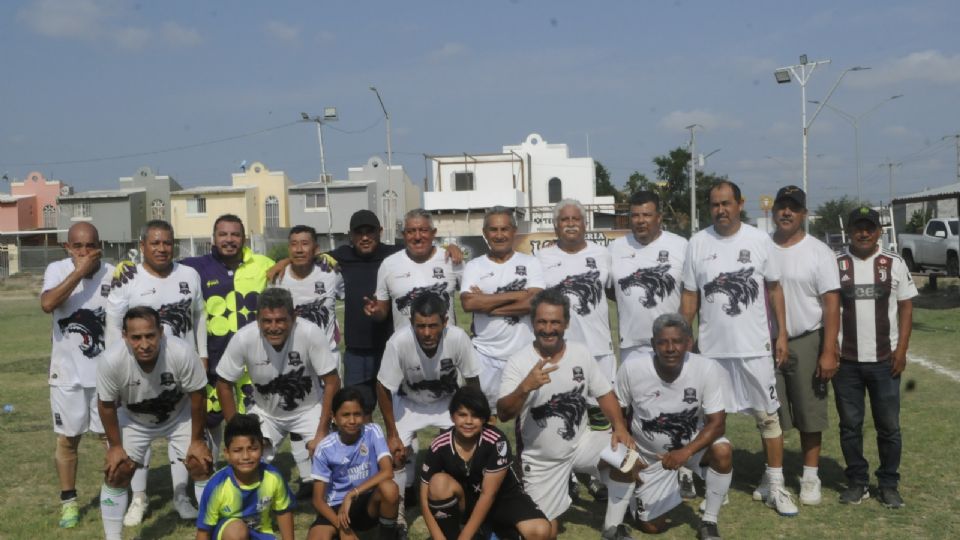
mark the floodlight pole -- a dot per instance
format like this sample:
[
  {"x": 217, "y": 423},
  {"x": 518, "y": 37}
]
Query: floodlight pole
[
  {"x": 323, "y": 176},
  {"x": 391, "y": 220},
  {"x": 694, "y": 222}
]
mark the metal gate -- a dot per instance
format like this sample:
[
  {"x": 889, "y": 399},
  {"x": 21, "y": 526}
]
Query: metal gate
[{"x": 4, "y": 262}]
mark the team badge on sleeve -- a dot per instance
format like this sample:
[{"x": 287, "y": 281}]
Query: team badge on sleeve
[{"x": 502, "y": 447}]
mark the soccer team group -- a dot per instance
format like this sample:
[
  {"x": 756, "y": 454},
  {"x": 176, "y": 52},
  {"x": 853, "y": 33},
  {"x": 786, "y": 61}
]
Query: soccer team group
[{"x": 231, "y": 353}]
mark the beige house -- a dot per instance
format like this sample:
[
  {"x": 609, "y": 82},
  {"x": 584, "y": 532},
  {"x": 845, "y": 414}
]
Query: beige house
[
  {"x": 270, "y": 188},
  {"x": 194, "y": 210}
]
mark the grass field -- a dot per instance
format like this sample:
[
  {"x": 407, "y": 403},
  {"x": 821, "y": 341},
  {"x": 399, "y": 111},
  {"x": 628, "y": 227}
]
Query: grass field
[{"x": 930, "y": 479}]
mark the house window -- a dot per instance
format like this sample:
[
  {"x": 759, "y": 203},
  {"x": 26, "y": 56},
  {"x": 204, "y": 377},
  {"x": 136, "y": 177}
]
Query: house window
[
  {"x": 315, "y": 200},
  {"x": 554, "y": 190},
  {"x": 49, "y": 216},
  {"x": 272, "y": 208},
  {"x": 156, "y": 209},
  {"x": 81, "y": 210},
  {"x": 463, "y": 181},
  {"x": 197, "y": 205}
]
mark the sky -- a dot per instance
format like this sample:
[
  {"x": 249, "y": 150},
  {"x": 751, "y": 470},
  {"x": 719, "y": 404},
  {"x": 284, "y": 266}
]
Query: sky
[{"x": 94, "y": 89}]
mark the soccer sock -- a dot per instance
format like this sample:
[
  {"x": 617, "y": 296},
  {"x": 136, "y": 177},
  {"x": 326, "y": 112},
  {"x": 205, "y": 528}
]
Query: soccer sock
[
  {"x": 198, "y": 487},
  {"x": 68, "y": 495},
  {"x": 775, "y": 476},
  {"x": 301, "y": 456},
  {"x": 138, "y": 484},
  {"x": 810, "y": 473},
  {"x": 717, "y": 487},
  {"x": 113, "y": 504},
  {"x": 618, "y": 499},
  {"x": 447, "y": 514},
  {"x": 179, "y": 477},
  {"x": 388, "y": 529}
]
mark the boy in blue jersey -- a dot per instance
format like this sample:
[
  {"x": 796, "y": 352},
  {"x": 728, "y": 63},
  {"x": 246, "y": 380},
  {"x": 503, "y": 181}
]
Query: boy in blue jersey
[
  {"x": 353, "y": 484},
  {"x": 238, "y": 499}
]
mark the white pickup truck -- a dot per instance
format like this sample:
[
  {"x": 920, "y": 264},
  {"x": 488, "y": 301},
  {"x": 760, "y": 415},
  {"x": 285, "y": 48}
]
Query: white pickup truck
[{"x": 936, "y": 248}]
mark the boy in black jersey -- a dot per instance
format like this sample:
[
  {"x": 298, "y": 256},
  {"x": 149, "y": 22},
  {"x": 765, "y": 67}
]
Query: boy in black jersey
[{"x": 468, "y": 481}]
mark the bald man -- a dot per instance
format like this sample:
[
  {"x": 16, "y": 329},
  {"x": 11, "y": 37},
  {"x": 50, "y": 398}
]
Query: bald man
[{"x": 75, "y": 291}]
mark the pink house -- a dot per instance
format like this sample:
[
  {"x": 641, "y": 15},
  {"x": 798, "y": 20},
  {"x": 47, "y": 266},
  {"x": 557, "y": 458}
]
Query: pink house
[
  {"x": 18, "y": 212},
  {"x": 45, "y": 192}
]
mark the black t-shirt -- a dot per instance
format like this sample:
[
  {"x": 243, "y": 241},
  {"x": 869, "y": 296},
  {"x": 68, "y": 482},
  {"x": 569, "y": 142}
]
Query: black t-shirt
[
  {"x": 492, "y": 455},
  {"x": 360, "y": 279}
]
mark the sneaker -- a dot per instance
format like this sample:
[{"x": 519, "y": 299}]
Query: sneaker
[
  {"x": 616, "y": 533},
  {"x": 854, "y": 494},
  {"x": 703, "y": 503},
  {"x": 708, "y": 530},
  {"x": 184, "y": 507},
  {"x": 135, "y": 512},
  {"x": 69, "y": 514},
  {"x": 890, "y": 497},
  {"x": 402, "y": 532},
  {"x": 573, "y": 488},
  {"x": 687, "y": 489},
  {"x": 597, "y": 490},
  {"x": 782, "y": 501},
  {"x": 763, "y": 490},
  {"x": 810, "y": 492}
]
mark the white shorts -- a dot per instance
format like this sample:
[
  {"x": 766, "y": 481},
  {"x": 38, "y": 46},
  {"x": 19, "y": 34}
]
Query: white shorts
[
  {"x": 74, "y": 410},
  {"x": 546, "y": 481},
  {"x": 275, "y": 429},
  {"x": 137, "y": 437},
  {"x": 752, "y": 385},
  {"x": 659, "y": 489},
  {"x": 411, "y": 416},
  {"x": 491, "y": 371}
]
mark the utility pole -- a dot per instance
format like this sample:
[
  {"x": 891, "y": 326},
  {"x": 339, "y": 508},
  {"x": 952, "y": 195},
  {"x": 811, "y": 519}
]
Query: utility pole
[
  {"x": 956, "y": 138},
  {"x": 890, "y": 165},
  {"x": 694, "y": 222}
]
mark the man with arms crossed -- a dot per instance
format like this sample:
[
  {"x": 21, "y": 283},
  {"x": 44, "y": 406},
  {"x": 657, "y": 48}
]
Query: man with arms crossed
[
  {"x": 75, "y": 291},
  {"x": 731, "y": 268},
  {"x": 160, "y": 382},
  {"x": 811, "y": 293},
  {"x": 497, "y": 289}
]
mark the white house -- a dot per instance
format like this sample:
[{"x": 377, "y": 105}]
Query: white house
[{"x": 529, "y": 177}]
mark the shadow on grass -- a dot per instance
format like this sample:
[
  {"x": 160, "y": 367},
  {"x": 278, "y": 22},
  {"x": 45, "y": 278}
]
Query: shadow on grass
[{"x": 748, "y": 468}]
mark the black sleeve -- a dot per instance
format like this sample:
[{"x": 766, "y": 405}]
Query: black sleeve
[{"x": 498, "y": 456}]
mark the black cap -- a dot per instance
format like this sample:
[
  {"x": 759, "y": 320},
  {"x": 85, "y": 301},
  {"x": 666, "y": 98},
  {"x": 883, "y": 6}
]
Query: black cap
[
  {"x": 864, "y": 213},
  {"x": 792, "y": 193},
  {"x": 364, "y": 218}
]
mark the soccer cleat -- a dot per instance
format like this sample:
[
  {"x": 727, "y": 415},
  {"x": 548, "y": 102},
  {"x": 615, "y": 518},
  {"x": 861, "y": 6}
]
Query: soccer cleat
[
  {"x": 854, "y": 494},
  {"x": 703, "y": 503},
  {"x": 687, "y": 489},
  {"x": 708, "y": 530},
  {"x": 402, "y": 532},
  {"x": 597, "y": 490},
  {"x": 890, "y": 498},
  {"x": 69, "y": 514},
  {"x": 810, "y": 492},
  {"x": 573, "y": 488},
  {"x": 135, "y": 512},
  {"x": 782, "y": 501},
  {"x": 184, "y": 507},
  {"x": 616, "y": 533},
  {"x": 763, "y": 490}
]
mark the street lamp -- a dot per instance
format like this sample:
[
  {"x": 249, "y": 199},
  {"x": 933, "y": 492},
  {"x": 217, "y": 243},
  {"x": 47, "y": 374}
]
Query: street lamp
[
  {"x": 802, "y": 73},
  {"x": 694, "y": 222},
  {"x": 855, "y": 122},
  {"x": 329, "y": 115},
  {"x": 390, "y": 194}
]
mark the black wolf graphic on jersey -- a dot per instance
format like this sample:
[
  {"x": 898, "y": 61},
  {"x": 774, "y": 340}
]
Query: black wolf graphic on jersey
[
  {"x": 587, "y": 289},
  {"x": 292, "y": 386},
  {"x": 405, "y": 301},
  {"x": 568, "y": 406},
  {"x": 738, "y": 286},
  {"x": 176, "y": 315},
  {"x": 160, "y": 406},
  {"x": 123, "y": 274},
  {"x": 655, "y": 281},
  {"x": 519, "y": 284},
  {"x": 315, "y": 312},
  {"x": 88, "y": 324},
  {"x": 445, "y": 386},
  {"x": 680, "y": 427}
]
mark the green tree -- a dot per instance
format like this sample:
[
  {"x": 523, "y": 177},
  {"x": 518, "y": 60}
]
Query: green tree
[
  {"x": 673, "y": 186},
  {"x": 830, "y": 214},
  {"x": 604, "y": 186},
  {"x": 918, "y": 220},
  {"x": 637, "y": 182}
]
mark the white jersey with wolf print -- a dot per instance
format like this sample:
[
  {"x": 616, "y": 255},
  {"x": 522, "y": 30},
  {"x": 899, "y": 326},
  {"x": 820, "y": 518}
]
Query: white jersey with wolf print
[
  {"x": 400, "y": 280},
  {"x": 177, "y": 297},
  {"x": 315, "y": 297},
  {"x": 408, "y": 372},
  {"x": 284, "y": 382},
  {"x": 730, "y": 273},
  {"x": 583, "y": 278}
]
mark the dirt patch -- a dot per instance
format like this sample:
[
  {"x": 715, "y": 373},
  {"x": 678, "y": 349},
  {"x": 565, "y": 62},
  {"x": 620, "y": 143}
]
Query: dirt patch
[{"x": 945, "y": 296}]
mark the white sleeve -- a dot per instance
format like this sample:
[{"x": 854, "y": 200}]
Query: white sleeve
[
  {"x": 469, "y": 367},
  {"x": 200, "y": 320},
  {"x": 469, "y": 277},
  {"x": 597, "y": 384},
  {"x": 52, "y": 276},
  {"x": 771, "y": 268},
  {"x": 390, "y": 374},
  {"x": 117, "y": 303},
  {"x": 513, "y": 374},
  {"x": 191, "y": 370},
  {"x": 715, "y": 384},
  {"x": 320, "y": 358},
  {"x": 609, "y": 262},
  {"x": 230, "y": 366},
  {"x": 622, "y": 387},
  {"x": 689, "y": 274},
  {"x": 382, "y": 292},
  {"x": 906, "y": 288},
  {"x": 108, "y": 389},
  {"x": 535, "y": 275},
  {"x": 828, "y": 276},
  {"x": 339, "y": 289}
]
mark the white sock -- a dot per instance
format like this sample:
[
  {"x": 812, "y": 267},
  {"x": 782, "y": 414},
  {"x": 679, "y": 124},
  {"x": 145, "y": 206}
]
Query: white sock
[
  {"x": 400, "y": 477},
  {"x": 179, "y": 477},
  {"x": 810, "y": 473},
  {"x": 717, "y": 487},
  {"x": 618, "y": 499},
  {"x": 113, "y": 504},
  {"x": 301, "y": 456},
  {"x": 198, "y": 487},
  {"x": 138, "y": 484},
  {"x": 215, "y": 439},
  {"x": 775, "y": 476}
]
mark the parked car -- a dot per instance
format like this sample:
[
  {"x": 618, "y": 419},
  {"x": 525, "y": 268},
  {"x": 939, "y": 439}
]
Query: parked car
[{"x": 936, "y": 248}]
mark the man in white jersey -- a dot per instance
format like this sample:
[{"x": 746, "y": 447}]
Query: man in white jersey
[
  {"x": 174, "y": 291},
  {"x": 675, "y": 399},
  {"x": 159, "y": 380},
  {"x": 729, "y": 277},
  {"x": 497, "y": 289},
  {"x": 545, "y": 387},
  {"x": 877, "y": 318},
  {"x": 75, "y": 292},
  {"x": 423, "y": 366},
  {"x": 314, "y": 284},
  {"x": 811, "y": 293},
  {"x": 418, "y": 269},
  {"x": 284, "y": 356}
]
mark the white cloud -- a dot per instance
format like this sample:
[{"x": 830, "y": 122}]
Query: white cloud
[
  {"x": 447, "y": 50},
  {"x": 281, "y": 31},
  {"x": 179, "y": 35},
  {"x": 678, "y": 120},
  {"x": 71, "y": 19},
  {"x": 132, "y": 38},
  {"x": 901, "y": 132},
  {"x": 930, "y": 66}
]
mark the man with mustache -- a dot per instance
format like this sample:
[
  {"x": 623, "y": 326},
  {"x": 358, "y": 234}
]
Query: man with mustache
[
  {"x": 811, "y": 293},
  {"x": 730, "y": 266},
  {"x": 75, "y": 291}
]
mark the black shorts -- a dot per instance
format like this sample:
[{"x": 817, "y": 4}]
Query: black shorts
[
  {"x": 508, "y": 509},
  {"x": 360, "y": 520}
]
